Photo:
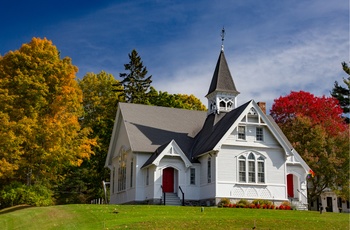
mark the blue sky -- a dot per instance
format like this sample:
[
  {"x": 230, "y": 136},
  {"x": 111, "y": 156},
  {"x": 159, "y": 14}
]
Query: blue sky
[{"x": 272, "y": 47}]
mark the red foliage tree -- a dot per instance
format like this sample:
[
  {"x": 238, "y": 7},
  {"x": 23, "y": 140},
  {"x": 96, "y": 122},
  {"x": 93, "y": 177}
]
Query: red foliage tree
[
  {"x": 317, "y": 131},
  {"x": 324, "y": 111}
]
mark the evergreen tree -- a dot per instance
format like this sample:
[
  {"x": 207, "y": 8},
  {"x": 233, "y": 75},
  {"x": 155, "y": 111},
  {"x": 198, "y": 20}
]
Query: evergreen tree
[
  {"x": 136, "y": 84},
  {"x": 342, "y": 93}
]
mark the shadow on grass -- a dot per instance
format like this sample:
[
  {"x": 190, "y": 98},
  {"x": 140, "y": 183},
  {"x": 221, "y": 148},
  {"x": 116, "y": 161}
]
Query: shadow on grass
[{"x": 15, "y": 208}]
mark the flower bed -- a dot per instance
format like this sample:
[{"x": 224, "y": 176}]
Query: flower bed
[{"x": 255, "y": 204}]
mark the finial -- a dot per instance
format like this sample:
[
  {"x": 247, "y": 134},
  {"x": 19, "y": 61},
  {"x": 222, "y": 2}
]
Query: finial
[{"x": 222, "y": 38}]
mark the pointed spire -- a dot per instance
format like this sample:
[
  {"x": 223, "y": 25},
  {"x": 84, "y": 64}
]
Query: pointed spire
[
  {"x": 222, "y": 90},
  {"x": 222, "y": 38},
  {"x": 222, "y": 80}
]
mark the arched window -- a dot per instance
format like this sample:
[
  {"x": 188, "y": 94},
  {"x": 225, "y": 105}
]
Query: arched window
[
  {"x": 131, "y": 172},
  {"x": 261, "y": 170},
  {"x": 242, "y": 169},
  {"x": 222, "y": 105},
  {"x": 251, "y": 166},
  {"x": 122, "y": 170}
]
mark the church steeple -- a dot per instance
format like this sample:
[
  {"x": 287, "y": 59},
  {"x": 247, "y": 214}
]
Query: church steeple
[{"x": 222, "y": 91}]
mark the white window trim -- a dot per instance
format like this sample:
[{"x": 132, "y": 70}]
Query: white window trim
[
  {"x": 239, "y": 169},
  {"x": 132, "y": 172},
  {"x": 257, "y": 158},
  {"x": 262, "y": 134},
  {"x": 194, "y": 175},
  {"x": 245, "y": 133},
  {"x": 147, "y": 176},
  {"x": 121, "y": 170}
]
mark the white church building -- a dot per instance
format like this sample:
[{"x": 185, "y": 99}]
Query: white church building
[{"x": 160, "y": 155}]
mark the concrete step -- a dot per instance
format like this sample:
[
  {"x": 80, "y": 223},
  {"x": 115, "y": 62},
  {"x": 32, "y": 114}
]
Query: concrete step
[
  {"x": 299, "y": 205},
  {"x": 172, "y": 199}
]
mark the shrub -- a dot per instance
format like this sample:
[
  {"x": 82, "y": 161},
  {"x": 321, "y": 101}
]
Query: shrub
[
  {"x": 243, "y": 202},
  {"x": 261, "y": 202},
  {"x": 224, "y": 202},
  {"x": 17, "y": 193},
  {"x": 285, "y": 203}
]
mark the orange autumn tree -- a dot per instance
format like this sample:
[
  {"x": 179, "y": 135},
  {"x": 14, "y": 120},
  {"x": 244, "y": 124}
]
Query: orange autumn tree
[
  {"x": 316, "y": 129},
  {"x": 100, "y": 100},
  {"x": 40, "y": 104}
]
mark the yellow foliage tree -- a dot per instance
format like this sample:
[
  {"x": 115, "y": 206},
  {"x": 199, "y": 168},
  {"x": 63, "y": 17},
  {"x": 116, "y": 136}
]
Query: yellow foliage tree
[{"x": 40, "y": 106}]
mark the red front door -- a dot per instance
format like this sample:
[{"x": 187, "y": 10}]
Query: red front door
[
  {"x": 168, "y": 180},
  {"x": 290, "y": 187}
]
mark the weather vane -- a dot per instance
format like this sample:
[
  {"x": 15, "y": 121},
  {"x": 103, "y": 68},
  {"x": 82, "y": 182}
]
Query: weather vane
[{"x": 222, "y": 38}]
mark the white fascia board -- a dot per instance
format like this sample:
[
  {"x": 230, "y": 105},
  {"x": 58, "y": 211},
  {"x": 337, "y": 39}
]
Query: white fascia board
[
  {"x": 234, "y": 125},
  {"x": 172, "y": 149},
  {"x": 263, "y": 116},
  {"x": 112, "y": 142}
]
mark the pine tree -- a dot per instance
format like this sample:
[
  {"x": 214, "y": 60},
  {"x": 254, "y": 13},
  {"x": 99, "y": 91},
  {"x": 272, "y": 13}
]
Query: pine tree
[
  {"x": 136, "y": 84},
  {"x": 342, "y": 93}
]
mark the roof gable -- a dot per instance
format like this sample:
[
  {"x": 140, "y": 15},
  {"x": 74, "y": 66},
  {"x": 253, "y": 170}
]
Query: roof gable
[
  {"x": 210, "y": 135},
  {"x": 149, "y": 127},
  {"x": 171, "y": 149},
  {"x": 252, "y": 107}
]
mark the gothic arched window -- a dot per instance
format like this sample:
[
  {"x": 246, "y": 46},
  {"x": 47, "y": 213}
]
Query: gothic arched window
[{"x": 251, "y": 166}]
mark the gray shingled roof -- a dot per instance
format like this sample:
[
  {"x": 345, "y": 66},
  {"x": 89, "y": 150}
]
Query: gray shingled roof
[
  {"x": 149, "y": 127},
  {"x": 222, "y": 80},
  {"x": 210, "y": 135}
]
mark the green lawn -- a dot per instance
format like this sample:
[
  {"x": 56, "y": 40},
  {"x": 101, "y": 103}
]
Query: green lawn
[{"x": 165, "y": 217}]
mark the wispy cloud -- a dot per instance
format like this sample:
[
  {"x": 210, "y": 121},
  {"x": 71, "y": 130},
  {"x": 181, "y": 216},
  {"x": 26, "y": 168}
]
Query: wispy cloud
[{"x": 272, "y": 47}]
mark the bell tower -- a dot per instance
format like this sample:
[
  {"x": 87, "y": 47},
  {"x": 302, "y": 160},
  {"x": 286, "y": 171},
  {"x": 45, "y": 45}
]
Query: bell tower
[{"x": 222, "y": 94}]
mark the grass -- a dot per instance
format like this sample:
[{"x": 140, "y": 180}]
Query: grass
[{"x": 165, "y": 217}]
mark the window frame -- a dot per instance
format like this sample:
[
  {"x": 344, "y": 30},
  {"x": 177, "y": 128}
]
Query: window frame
[
  {"x": 241, "y": 135},
  {"x": 242, "y": 171},
  {"x": 131, "y": 172},
  {"x": 192, "y": 176},
  {"x": 147, "y": 176},
  {"x": 259, "y": 135},
  {"x": 121, "y": 176},
  {"x": 209, "y": 170},
  {"x": 251, "y": 168},
  {"x": 261, "y": 173}
]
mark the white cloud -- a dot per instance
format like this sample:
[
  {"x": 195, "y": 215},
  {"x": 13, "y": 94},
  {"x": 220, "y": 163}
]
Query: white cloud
[
  {"x": 271, "y": 47},
  {"x": 309, "y": 61}
]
